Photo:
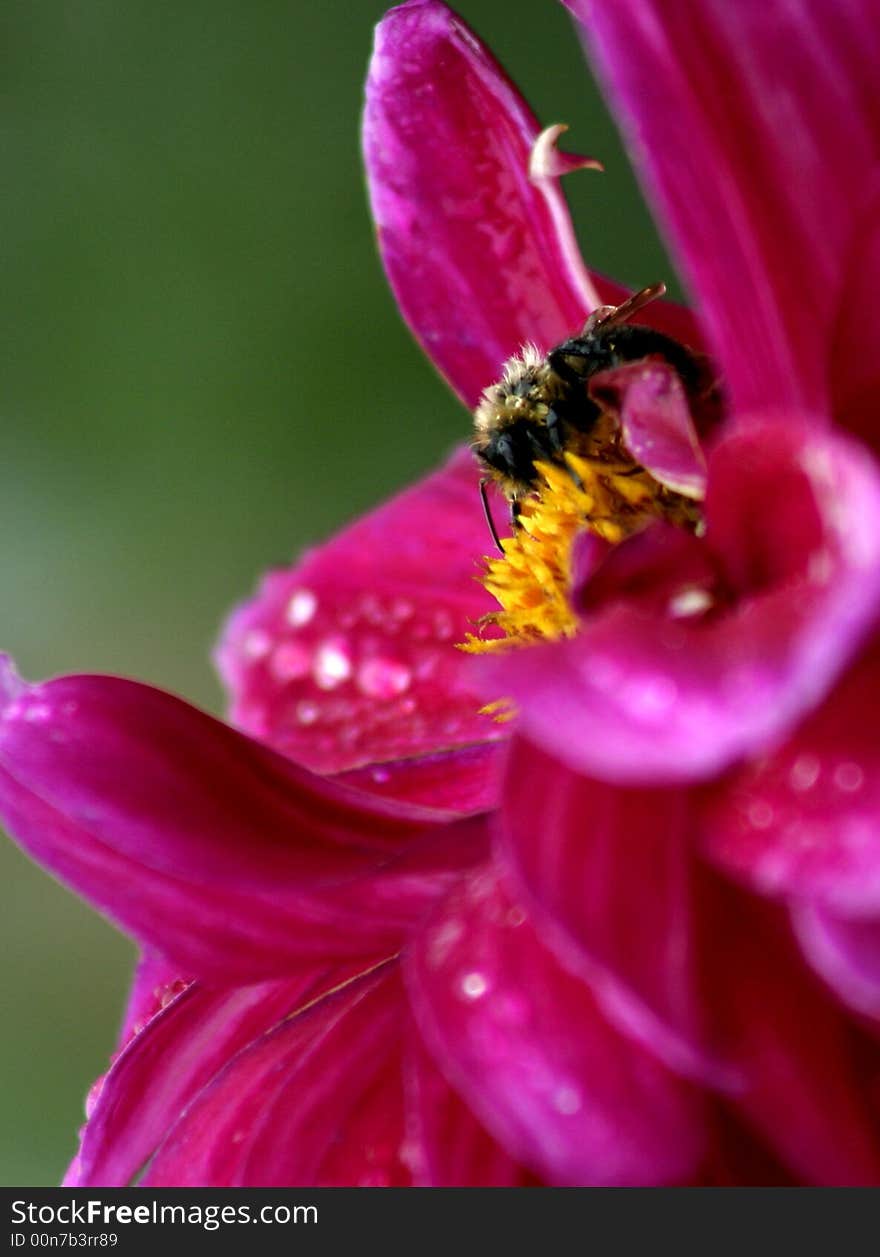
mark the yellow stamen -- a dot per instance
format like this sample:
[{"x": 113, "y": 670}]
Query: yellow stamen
[{"x": 603, "y": 492}]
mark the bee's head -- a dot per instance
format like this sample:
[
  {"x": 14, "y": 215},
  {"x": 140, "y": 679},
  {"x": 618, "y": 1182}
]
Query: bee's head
[{"x": 518, "y": 395}]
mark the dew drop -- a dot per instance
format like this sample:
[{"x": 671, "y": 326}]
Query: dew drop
[
  {"x": 443, "y": 626},
  {"x": 426, "y": 667},
  {"x": 372, "y": 610},
  {"x": 760, "y": 814},
  {"x": 290, "y": 661},
  {"x": 380, "y": 775},
  {"x": 688, "y": 602},
  {"x": 38, "y": 713},
  {"x": 402, "y": 609},
  {"x": 301, "y": 608},
  {"x": 383, "y": 678},
  {"x": 804, "y": 773},
  {"x": 849, "y": 777},
  {"x": 332, "y": 663},
  {"x": 256, "y": 644},
  {"x": 473, "y": 985},
  {"x": 307, "y": 712}
]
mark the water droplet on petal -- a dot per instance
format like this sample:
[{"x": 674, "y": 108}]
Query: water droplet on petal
[
  {"x": 301, "y": 608},
  {"x": 38, "y": 713},
  {"x": 402, "y": 609},
  {"x": 256, "y": 644},
  {"x": 690, "y": 601},
  {"x": 380, "y": 775},
  {"x": 473, "y": 985},
  {"x": 849, "y": 777},
  {"x": 307, "y": 712},
  {"x": 443, "y": 625},
  {"x": 804, "y": 772},
  {"x": 332, "y": 663},
  {"x": 760, "y": 814},
  {"x": 383, "y": 678},
  {"x": 291, "y": 661}
]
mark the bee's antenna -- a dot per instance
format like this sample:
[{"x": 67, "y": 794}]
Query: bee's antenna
[
  {"x": 607, "y": 316},
  {"x": 487, "y": 511}
]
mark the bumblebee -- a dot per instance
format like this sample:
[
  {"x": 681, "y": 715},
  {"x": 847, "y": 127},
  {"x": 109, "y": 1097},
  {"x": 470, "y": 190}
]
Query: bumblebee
[{"x": 541, "y": 407}]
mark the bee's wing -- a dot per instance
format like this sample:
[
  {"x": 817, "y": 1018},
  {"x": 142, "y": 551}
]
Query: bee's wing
[{"x": 632, "y": 305}]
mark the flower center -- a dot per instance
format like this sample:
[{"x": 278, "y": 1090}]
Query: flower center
[{"x": 601, "y": 490}]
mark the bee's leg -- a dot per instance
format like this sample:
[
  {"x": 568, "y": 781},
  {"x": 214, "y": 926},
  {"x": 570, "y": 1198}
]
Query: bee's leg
[
  {"x": 515, "y": 509},
  {"x": 487, "y": 511}
]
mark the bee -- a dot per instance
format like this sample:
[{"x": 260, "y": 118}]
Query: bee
[{"x": 541, "y": 407}]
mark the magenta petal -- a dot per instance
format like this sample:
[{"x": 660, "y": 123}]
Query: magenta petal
[
  {"x": 170, "y": 1061},
  {"x": 755, "y": 126},
  {"x": 348, "y": 660},
  {"x": 480, "y": 257},
  {"x": 845, "y": 952},
  {"x": 808, "y": 1083},
  {"x": 221, "y": 854},
  {"x": 463, "y": 781},
  {"x": 156, "y": 983},
  {"x": 643, "y": 697},
  {"x": 804, "y": 821},
  {"x": 449, "y": 1146},
  {"x": 612, "y": 874},
  {"x": 530, "y": 1050},
  {"x": 657, "y": 427},
  {"x": 318, "y": 1101},
  {"x": 855, "y": 344}
]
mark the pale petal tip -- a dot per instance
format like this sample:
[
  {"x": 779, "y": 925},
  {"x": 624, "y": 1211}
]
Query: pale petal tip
[{"x": 547, "y": 162}]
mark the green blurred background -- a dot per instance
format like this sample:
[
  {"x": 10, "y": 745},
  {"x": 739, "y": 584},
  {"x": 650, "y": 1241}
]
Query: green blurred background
[{"x": 183, "y": 231}]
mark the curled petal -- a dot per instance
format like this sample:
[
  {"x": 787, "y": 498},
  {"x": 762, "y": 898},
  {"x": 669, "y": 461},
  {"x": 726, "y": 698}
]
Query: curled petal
[
  {"x": 656, "y": 422},
  {"x": 232, "y": 861},
  {"x": 348, "y": 659},
  {"x": 804, "y": 821},
  {"x": 532, "y": 1053},
  {"x": 640, "y": 696},
  {"x": 547, "y": 162},
  {"x": 480, "y": 257},
  {"x": 735, "y": 114},
  {"x": 315, "y": 1102}
]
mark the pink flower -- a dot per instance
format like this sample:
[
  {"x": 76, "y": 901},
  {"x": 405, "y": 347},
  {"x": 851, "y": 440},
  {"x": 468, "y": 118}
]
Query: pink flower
[{"x": 636, "y": 942}]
